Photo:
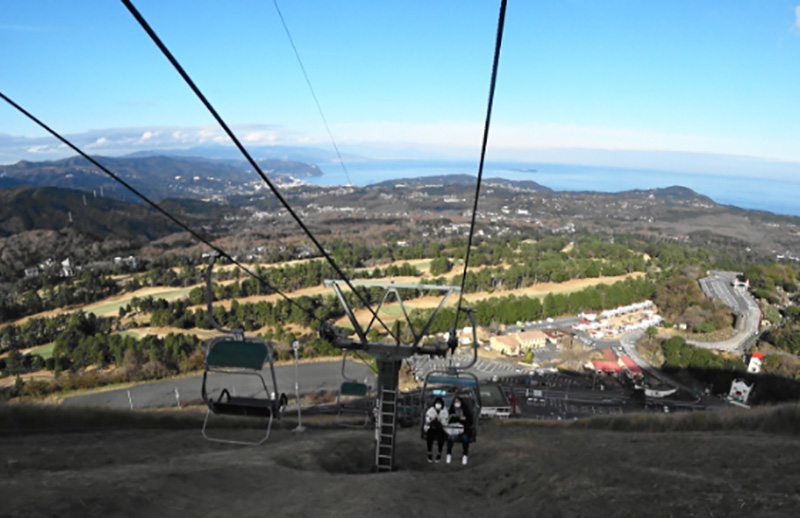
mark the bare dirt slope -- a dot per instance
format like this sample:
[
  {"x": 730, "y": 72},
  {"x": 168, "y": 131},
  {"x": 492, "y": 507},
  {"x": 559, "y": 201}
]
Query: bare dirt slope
[{"x": 516, "y": 469}]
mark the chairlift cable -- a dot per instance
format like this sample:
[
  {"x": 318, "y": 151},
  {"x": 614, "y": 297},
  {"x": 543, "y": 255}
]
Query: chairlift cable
[
  {"x": 169, "y": 216},
  {"x": 313, "y": 94},
  {"x": 153, "y": 36},
  {"x": 500, "y": 23}
]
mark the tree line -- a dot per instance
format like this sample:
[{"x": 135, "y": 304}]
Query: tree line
[{"x": 31, "y": 296}]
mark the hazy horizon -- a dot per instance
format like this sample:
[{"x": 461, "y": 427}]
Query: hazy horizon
[{"x": 578, "y": 82}]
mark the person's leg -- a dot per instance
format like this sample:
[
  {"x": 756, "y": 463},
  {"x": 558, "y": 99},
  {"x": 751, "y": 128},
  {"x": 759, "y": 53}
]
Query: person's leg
[
  {"x": 429, "y": 437},
  {"x": 441, "y": 444},
  {"x": 465, "y": 443}
]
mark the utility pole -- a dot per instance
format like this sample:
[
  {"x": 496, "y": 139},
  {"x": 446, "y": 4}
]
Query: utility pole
[{"x": 300, "y": 427}]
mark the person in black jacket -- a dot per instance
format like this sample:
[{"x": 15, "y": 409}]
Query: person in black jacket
[
  {"x": 460, "y": 427},
  {"x": 435, "y": 421}
]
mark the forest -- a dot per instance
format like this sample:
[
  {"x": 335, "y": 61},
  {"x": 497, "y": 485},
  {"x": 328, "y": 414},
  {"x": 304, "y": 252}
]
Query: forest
[{"x": 88, "y": 350}]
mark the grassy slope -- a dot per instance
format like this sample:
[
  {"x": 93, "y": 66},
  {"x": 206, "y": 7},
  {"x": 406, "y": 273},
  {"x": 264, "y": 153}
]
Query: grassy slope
[{"x": 516, "y": 468}]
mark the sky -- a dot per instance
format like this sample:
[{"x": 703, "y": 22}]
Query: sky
[{"x": 694, "y": 85}]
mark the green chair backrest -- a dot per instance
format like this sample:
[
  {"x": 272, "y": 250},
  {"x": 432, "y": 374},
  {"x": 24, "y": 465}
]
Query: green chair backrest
[
  {"x": 235, "y": 354},
  {"x": 350, "y": 388},
  {"x": 452, "y": 381}
]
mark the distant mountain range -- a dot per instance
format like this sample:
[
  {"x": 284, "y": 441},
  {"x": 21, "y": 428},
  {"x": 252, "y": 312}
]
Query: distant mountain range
[
  {"x": 156, "y": 176},
  {"x": 230, "y": 153}
]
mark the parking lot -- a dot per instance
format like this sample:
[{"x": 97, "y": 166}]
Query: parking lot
[{"x": 484, "y": 368}]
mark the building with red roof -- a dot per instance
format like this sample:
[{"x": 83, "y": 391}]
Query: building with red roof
[
  {"x": 607, "y": 366},
  {"x": 631, "y": 365}
]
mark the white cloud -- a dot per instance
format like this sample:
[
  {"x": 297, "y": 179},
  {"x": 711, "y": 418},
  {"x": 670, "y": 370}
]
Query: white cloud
[
  {"x": 101, "y": 141},
  {"x": 261, "y": 137},
  {"x": 797, "y": 19},
  {"x": 40, "y": 148},
  {"x": 563, "y": 143},
  {"x": 120, "y": 141}
]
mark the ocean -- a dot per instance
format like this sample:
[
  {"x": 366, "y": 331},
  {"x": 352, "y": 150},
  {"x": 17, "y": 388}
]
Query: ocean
[{"x": 768, "y": 194}]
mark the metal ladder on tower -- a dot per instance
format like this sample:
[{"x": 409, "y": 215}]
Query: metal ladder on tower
[{"x": 387, "y": 430}]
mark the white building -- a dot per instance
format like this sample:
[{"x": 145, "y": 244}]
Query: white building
[
  {"x": 740, "y": 391},
  {"x": 755, "y": 363}
]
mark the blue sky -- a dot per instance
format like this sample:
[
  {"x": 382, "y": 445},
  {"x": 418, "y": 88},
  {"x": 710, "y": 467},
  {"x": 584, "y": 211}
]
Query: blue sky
[{"x": 580, "y": 81}]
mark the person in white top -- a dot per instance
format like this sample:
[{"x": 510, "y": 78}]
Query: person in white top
[{"x": 435, "y": 420}]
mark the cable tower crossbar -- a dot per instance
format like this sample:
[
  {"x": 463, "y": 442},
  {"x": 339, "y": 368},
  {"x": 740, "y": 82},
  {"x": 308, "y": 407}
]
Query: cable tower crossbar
[
  {"x": 164, "y": 50},
  {"x": 392, "y": 288},
  {"x": 500, "y": 24}
]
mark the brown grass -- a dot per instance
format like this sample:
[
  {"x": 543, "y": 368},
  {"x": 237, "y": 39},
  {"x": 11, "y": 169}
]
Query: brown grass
[
  {"x": 517, "y": 468},
  {"x": 782, "y": 419}
]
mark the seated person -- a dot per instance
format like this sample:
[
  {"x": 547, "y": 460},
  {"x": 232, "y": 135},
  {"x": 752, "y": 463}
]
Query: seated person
[
  {"x": 460, "y": 426},
  {"x": 435, "y": 421}
]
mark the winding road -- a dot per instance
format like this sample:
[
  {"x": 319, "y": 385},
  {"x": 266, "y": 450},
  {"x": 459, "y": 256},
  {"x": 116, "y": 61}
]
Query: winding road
[{"x": 313, "y": 377}]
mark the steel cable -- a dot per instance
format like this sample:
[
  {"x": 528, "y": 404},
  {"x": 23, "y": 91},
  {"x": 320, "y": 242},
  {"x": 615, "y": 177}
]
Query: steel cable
[
  {"x": 144, "y": 198},
  {"x": 498, "y": 42},
  {"x": 153, "y": 36}
]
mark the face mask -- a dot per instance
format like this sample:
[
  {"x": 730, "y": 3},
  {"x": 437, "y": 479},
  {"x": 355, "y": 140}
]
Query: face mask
[
  {"x": 437, "y": 406},
  {"x": 457, "y": 404}
]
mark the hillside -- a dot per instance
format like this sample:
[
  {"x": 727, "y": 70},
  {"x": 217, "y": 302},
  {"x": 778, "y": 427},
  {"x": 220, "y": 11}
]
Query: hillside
[
  {"x": 135, "y": 464},
  {"x": 35, "y": 225},
  {"x": 49, "y": 208},
  {"x": 26, "y": 249},
  {"x": 156, "y": 177},
  {"x": 407, "y": 208}
]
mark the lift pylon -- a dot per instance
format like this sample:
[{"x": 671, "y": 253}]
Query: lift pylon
[{"x": 389, "y": 356}]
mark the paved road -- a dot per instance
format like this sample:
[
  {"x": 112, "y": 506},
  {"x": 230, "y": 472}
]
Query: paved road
[
  {"x": 718, "y": 285},
  {"x": 313, "y": 377},
  {"x": 628, "y": 344}
]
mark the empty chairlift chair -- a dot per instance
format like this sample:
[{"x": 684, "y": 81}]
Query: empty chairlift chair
[
  {"x": 353, "y": 399},
  {"x": 247, "y": 357},
  {"x": 234, "y": 355}
]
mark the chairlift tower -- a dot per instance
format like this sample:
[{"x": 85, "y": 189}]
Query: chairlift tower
[{"x": 389, "y": 356}]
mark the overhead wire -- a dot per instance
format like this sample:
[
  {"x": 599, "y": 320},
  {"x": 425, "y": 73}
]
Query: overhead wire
[
  {"x": 153, "y": 36},
  {"x": 495, "y": 63},
  {"x": 152, "y": 204},
  {"x": 313, "y": 94}
]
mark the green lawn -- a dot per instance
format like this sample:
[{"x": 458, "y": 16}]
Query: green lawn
[
  {"x": 112, "y": 308},
  {"x": 424, "y": 266},
  {"x": 45, "y": 351},
  {"x": 396, "y": 310}
]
